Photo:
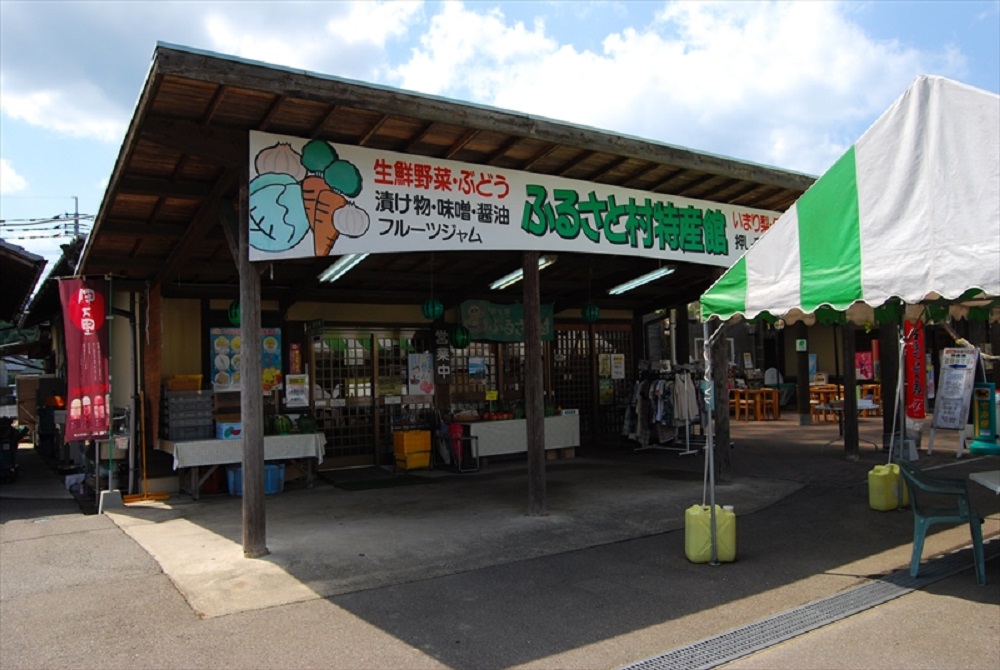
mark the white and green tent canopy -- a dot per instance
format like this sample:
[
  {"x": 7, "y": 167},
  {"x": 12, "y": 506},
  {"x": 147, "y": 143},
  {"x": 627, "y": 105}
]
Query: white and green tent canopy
[{"x": 911, "y": 214}]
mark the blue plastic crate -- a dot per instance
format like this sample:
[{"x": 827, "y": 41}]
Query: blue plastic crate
[{"x": 274, "y": 479}]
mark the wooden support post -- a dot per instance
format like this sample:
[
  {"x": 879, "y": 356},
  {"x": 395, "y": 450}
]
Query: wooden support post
[
  {"x": 802, "y": 372},
  {"x": 252, "y": 396},
  {"x": 850, "y": 414},
  {"x": 888, "y": 345},
  {"x": 533, "y": 388},
  {"x": 720, "y": 385}
]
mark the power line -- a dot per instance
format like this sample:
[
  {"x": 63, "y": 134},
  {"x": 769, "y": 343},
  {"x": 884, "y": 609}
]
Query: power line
[{"x": 68, "y": 217}]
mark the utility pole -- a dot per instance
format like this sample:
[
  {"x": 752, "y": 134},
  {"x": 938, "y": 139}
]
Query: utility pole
[{"x": 76, "y": 217}]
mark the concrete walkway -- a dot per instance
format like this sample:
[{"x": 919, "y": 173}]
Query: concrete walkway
[{"x": 452, "y": 573}]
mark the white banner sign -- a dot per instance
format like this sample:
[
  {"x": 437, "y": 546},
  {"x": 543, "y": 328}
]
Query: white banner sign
[{"x": 314, "y": 198}]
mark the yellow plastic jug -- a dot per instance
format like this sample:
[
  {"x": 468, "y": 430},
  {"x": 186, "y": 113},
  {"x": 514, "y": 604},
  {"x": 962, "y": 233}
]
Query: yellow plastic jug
[
  {"x": 698, "y": 533},
  {"x": 884, "y": 486}
]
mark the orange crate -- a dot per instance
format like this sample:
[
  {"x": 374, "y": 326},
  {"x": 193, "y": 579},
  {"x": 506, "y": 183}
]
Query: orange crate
[{"x": 412, "y": 449}]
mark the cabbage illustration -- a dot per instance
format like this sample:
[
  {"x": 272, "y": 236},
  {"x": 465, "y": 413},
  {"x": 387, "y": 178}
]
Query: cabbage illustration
[{"x": 277, "y": 214}]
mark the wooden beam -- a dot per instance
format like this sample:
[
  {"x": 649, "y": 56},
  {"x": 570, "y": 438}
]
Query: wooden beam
[
  {"x": 163, "y": 188},
  {"x": 229, "y": 220},
  {"x": 504, "y": 148},
  {"x": 251, "y": 397},
  {"x": 568, "y": 166},
  {"x": 420, "y": 136},
  {"x": 318, "y": 128},
  {"x": 607, "y": 168},
  {"x": 460, "y": 144},
  {"x": 544, "y": 153},
  {"x": 363, "y": 140},
  {"x": 265, "y": 123},
  {"x": 225, "y": 146},
  {"x": 204, "y": 220},
  {"x": 142, "y": 228},
  {"x": 213, "y": 106}
]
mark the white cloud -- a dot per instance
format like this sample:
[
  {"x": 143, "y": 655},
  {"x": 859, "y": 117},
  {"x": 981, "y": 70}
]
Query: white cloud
[
  {"x": 374, "y": 22},
  {"x": 341, "y": 38},
  {"x": 467, "y": 51},
  {"x": 79, "y": 111},
  {"x": 776, "y": 83},
  {"x": 783, "y": 83},
  {"x": 82, "y": 66},
  {"x": 10, "y": 180}
]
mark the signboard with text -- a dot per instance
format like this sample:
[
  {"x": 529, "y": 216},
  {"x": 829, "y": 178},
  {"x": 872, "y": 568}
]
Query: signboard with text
[
  {"x": 315, "y": 198},
  {"x": 502, "y": 323},
  {"x": 954, "y": 393}
]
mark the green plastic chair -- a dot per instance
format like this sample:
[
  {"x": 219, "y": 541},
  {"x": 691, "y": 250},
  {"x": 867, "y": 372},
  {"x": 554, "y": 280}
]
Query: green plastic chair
[{"x": 941, "y": 500}]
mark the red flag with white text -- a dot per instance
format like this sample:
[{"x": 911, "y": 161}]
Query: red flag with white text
[
  {"x": 88, "y": 384},
  {"x": 915, "y": 381}
]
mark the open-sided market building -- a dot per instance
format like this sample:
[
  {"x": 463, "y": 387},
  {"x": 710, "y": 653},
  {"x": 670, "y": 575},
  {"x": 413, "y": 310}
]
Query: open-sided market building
[{"x": 435, "y": 201}]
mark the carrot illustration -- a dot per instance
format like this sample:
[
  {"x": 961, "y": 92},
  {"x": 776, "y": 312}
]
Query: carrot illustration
[
  {"x": 324, "y": 233},
  {"x": 312, "y": 186}
]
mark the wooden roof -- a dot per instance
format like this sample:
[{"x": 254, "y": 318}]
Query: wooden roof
[
  {"x": 186, "y": 151},
  {"x": 21, "y": 270}
]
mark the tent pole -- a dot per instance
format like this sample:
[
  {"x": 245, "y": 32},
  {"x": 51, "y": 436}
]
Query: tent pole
[{"x": 709, "y": 442}]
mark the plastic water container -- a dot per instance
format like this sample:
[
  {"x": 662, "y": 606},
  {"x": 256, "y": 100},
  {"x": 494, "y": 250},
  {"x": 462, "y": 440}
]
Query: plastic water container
[
  {"x": 698, "y": 533},
  {"x": 883, "y": 488}
]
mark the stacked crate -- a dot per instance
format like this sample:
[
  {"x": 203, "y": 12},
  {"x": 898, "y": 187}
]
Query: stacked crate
[{"x": 187, "y": 415}]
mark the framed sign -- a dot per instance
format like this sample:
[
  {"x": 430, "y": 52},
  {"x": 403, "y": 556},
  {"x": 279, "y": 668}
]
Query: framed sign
[{"x": 954, "y": 392}]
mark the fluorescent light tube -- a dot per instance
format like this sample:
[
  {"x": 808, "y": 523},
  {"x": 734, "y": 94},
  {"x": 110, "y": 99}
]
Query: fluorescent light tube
[
  {"x": 341, "y": 267},
  {"x": 639, "y": 281},
  {"x": 517, "y": 275}
]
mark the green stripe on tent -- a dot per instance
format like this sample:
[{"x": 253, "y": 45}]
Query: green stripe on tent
[
  {"x": 830, "y": 238},
  {"x": 729, "y": 295}
]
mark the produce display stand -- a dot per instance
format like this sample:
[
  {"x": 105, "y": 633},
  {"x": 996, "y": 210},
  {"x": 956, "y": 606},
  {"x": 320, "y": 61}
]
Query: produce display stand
[
  {"x": 306, "y": 450},
  {"x": 495, "y": 438}
]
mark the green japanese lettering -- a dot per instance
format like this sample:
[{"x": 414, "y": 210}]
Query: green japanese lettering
[
  {"x": 567, "y": 217},
  {"x": 716, "y": 242},
  {"x": 691, "y": 230},
  {"x": 537, "y": 216},
  {"x": 592, "y": 216}
]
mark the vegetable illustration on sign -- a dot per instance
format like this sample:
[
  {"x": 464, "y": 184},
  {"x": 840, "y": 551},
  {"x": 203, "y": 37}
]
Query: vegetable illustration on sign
[{"x": 296, "y": 195}]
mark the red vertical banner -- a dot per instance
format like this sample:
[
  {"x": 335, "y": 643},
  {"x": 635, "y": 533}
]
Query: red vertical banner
[
  {"x": 915, "y": 380},
  {"x": 88, "y": 387}
]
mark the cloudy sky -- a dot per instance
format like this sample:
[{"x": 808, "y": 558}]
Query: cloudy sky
[{"x": 788, "y": 84}]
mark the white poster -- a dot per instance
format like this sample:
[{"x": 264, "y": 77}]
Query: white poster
[
  {"x": 618, "y": 366},
  {"x": 421, "y": 377},
  {"x": 296, "y": 390}
]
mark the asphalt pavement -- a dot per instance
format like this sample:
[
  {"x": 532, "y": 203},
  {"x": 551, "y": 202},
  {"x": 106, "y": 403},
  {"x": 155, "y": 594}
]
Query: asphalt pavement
[{"x": 447, "y": 570}]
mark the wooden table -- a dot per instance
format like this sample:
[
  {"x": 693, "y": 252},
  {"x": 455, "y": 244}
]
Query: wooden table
[
  {"x": 821, "y": 395},
  {"x": 763, "y": 401}
]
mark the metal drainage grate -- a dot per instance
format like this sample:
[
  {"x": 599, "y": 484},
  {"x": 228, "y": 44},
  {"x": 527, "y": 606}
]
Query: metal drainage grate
[{"x": 729, "y": 646}]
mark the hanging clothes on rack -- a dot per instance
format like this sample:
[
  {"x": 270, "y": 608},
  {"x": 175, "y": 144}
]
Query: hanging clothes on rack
[{"x": 686, "y": 402}]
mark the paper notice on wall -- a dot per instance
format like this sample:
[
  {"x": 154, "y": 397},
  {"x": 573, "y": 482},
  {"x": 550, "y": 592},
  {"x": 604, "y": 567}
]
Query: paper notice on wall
[
  {"x": 297, "y": 390},
  {"x": 618, "y": 366}
]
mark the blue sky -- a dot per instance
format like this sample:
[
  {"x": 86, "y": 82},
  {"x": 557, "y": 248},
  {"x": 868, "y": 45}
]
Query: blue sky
[{"x": 789, "y": 84}]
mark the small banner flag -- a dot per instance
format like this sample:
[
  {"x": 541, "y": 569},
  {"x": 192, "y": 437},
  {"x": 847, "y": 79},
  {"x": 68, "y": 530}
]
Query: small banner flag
[{"x": 88, "y": 384}]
